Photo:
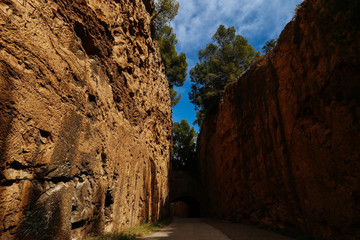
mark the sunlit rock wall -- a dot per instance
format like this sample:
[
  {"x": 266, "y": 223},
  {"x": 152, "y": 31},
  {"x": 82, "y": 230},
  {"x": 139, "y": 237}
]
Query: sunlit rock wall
[
  {"x": 283, "y": 149},
  {"x": 85, "y": 121}
]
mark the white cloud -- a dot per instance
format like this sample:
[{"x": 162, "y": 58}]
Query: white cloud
[{"x": 257, "y": 20}]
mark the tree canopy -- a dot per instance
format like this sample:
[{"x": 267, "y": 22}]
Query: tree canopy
[
  {"x": 165, "y": 12},
  {"x": 175, "y": 64},
  {"x": 222, "y": 62},
  {"x": 184, "y": 145}
]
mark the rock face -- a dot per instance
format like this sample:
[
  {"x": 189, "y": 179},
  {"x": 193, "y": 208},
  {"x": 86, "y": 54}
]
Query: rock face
[
  {"x": 85, "y": 121},
  {"x": 283, "y": 149}
]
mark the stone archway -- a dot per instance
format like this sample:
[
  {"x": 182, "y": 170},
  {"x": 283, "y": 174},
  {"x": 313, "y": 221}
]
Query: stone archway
[
  {"x": 186, "y": 194},
  {"x": 185, "y": 206}
]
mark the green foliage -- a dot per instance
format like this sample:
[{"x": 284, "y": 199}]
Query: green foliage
[
  {"x": 174, "y": 97},
  {"x": 165, "y": 12},
  {"x": 134, "y": 232},
  {"x": 269, "y": 46},
  {"x": 200, "y": 116},
  {"x": 296, "y": 11},
  {"x": 184, "y": 145},
  {"x": 116, "y": 236},
  {"x": 222, "y": 62},
  {"x": 175, "y": 64}
]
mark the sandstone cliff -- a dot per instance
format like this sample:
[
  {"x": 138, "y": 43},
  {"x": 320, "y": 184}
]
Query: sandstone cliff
[
  {"x": 85, "y": 121},
  {"x": 283, "y": 149}
]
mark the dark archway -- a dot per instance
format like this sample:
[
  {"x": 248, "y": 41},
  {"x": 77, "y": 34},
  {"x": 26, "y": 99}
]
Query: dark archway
[{"x": 193, "y": 206}]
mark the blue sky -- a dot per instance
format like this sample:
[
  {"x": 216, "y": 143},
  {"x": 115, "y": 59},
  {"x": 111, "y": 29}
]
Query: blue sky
[{"x": 197, "y": 21}]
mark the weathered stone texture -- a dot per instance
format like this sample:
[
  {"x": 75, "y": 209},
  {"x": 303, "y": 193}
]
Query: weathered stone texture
[
  {"x": 85, "y": 120},
  {"x": 283, "y": 149}
]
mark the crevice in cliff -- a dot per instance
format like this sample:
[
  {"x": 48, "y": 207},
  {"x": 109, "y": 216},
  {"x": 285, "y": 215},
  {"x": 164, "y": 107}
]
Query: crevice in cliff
[
  {"x": 9, "y": 228},
  {"x": 56, "y": 180},
  {"x": 42, "y": 180},
  {"x": 44, "y": 133},
  {"x": 109, "y": 200},
  {"x": 87, "y": 41},
  {"x": 94, "y": 33},
  {"x": 108, "y": 203},
  {"x": 19, "y": 166},
  {"x": 8, "y": 183},
  {"x": 78, "y": 224},
  {"x": 149, "y": 5}
]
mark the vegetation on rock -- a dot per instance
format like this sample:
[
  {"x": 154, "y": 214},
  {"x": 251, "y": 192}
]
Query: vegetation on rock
[
  {"x": 134, "y": 232},
  {"x": 175, "y": 64},
  {"x": 165, "y": 12},
  {"x": 269, "y": 46}
]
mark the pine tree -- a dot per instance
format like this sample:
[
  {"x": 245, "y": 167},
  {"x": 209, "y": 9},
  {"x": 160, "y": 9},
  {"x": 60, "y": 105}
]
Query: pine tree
[{"x": 222, "y": 62}]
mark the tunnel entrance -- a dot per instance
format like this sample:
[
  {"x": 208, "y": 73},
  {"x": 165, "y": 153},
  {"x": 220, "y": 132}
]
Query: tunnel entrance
[{"x": 185, "y": 206}]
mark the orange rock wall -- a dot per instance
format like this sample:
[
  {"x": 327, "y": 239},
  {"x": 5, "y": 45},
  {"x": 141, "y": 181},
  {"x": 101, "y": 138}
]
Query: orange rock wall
[
  {"x": 85, "y": 120},
  {"x": 283, "y": 149}
]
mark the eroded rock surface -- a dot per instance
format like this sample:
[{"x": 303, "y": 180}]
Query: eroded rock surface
[
  {"x": 283, "y": 149},
  {"x": 85, "y": 121}
]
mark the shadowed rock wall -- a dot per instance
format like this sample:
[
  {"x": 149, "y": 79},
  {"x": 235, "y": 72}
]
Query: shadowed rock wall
[
  {"x": 85, "y": 120},
  {"x": 283, "y": 149}
]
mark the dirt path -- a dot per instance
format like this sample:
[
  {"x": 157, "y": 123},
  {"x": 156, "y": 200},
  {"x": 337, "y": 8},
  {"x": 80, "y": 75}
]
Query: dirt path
[
  {"x": 211, "y": 229},
  {"x": 238, "y": 231},
  {"x": 188, "y": 229}
]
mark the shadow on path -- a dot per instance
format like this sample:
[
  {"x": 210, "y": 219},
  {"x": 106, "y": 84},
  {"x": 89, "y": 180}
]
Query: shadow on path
[
  {"x": 239, "y": 231},
  {"x": 189, "y": 229},
  {"x": 211, "y": 229}
]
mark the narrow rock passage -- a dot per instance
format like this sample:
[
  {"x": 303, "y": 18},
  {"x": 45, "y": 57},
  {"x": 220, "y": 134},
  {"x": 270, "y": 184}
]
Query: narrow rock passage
[{"x": 208, "y": 229}]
